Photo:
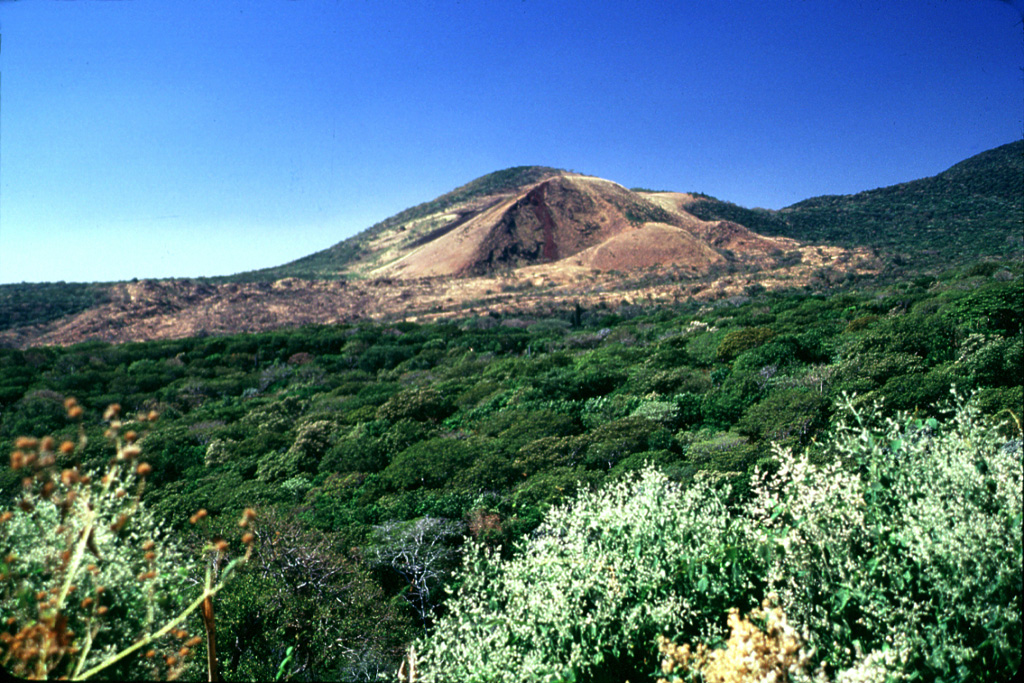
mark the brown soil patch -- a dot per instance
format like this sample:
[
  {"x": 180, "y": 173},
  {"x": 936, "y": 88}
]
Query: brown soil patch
[{"x": 653, "y": 244}]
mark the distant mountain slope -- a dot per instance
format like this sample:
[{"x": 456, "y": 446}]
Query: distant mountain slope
[
  {"x": 531, "y": 216},
  {"x": 28, "y": 304},
  {"x": 974, "y": 209},
  {"x": 330, "y": 261}
]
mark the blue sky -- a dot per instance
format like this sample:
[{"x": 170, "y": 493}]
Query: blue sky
[{"x": 171, "y": 138}]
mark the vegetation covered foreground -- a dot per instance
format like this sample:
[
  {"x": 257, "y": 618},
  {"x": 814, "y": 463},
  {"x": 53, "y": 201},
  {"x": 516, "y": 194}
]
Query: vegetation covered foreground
[{"x": 735, "y": 480}]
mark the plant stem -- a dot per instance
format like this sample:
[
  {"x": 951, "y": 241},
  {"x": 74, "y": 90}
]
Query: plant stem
[{"x": 208, "y": 592}]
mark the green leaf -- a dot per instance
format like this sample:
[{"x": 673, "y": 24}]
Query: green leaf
[
  {"x": 284, "y": 662},
  {"x": 842, "y": 597}
]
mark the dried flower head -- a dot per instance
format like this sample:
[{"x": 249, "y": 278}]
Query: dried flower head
[
  {"x": 247, "y": 515},
  {"x": 119, "y": 524}
]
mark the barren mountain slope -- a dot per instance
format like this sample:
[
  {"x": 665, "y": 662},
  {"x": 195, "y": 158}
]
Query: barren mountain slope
[
  {"x": 520, "y": 240},
  {"x": 586, "y": 221}
]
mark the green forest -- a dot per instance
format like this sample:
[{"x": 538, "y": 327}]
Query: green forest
[{"x": 828, "y": 483}]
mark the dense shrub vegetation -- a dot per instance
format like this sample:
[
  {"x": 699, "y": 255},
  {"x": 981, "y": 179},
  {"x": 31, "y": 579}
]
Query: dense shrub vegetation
[
  {"x": 373, "y": 451},
  {"x": 877, "y": 567},
  {"x": 36, "y": 303}
]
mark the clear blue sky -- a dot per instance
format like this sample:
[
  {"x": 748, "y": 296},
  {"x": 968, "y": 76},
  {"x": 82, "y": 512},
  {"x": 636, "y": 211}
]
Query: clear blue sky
[{"x": 164, "y": 138}]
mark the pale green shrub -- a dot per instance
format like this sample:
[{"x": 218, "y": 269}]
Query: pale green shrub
[
  {"x": 599, "y": 579},
  {"x": 901, "y": 559},
  {"x": 662, "y": 412},
  {"x": 905, "y": 552}
]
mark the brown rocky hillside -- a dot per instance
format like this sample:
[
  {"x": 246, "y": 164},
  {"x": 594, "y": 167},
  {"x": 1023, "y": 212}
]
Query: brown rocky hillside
[
  {"x": 529, "y": 240},
  {"x": 569, "y": 219}
]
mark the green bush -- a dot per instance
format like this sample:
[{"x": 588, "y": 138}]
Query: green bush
[
  {"x": 302, "y": 591},
  {"x": 738, "y": 341},
  {"x": 429, "y": 463},
  {"x": 994, "y": 308},
  {"x": 360, "y": 450},
  {"x": 587, "y": 594},
  {"x": 417, "y": 404},
  {"x": 905, "y": 549},
  {"x": 787, "y": 416}
]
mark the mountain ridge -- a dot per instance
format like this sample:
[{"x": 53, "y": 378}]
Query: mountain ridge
[
  {"x": 579, "y": 241},
  {"x": 531, "y": 216},
  {"x": 349, "y": 248},
  {"x": 970, "y": 208},
  {"x": 973, "y": 209}
]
